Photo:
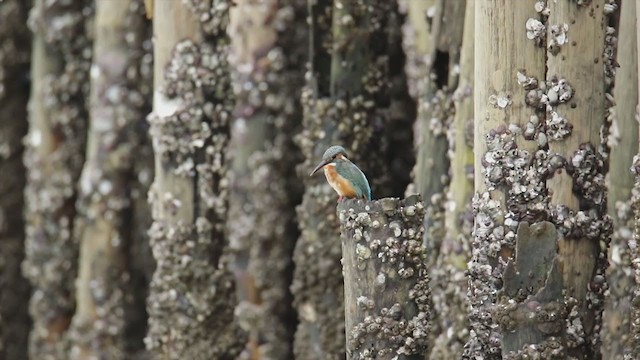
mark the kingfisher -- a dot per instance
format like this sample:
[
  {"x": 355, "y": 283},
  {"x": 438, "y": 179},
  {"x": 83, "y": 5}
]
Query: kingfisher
[{"x": 343, "y": 175}]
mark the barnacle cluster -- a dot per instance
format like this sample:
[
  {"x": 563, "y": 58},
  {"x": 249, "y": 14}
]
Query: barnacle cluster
[
  {"x": 575, "y": 332},
  {"x": 544, "y": 97},
  {"x": 537, "y": 28},
  {"x": 212, "y": 14},
  {"x": 483, "y": 276},
  {"x": 382, "y": 242},
  {"x": 551, "y": 348},
  {"x": 548, "y": 317},
  {"x": 559, "y": 37},
  {"x": 179, "y": 126},
  {"x": 521, "y": 174},
  {"x": 587, "y": 170},
  {"x": 610, "y": 49},
  {"x": 541, "y": 7},
  {"x": 536, "y": 31},
  {"x": 188, "y": 295}
]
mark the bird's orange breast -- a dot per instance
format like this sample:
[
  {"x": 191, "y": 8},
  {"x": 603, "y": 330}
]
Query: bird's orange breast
[{"x": 341, "y": 185}]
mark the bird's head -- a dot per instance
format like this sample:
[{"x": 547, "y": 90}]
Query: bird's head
[{"x": 336, "y": 152}]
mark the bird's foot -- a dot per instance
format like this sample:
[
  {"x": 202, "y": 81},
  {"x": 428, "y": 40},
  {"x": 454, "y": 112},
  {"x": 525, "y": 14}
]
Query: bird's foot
[{"x": 340, "y": 198}]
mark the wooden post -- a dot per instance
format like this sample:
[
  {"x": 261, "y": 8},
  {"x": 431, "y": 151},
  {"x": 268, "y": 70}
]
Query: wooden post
[
  {"x": 192, "y": 294},
  {"x": 433, "y": 37},
  {"x": 501, "y": 114},
  {"x": 578, "y": 82},
  {"x": 55, "y": 148},
  {"x": 386, "y": 285},
  {"x": 449, "y": 280},
  {"x": 267, "y": 53},
  {"x": 624, "y": 145},
  {"x": 104, "y": 206}
]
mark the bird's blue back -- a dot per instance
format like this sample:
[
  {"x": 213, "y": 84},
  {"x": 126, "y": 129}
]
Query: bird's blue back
[{"x": 352, "y": 173}]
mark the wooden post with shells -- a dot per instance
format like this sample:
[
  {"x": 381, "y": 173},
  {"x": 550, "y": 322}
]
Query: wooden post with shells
[
  {"x": 191, "y": 295},
  {"x": 103, "y": 225},
  {"x": 386, "y": 286},
  {"x": 623, "y": 140}
]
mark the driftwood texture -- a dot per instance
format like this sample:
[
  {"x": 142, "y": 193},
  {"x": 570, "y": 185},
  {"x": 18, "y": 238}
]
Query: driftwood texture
[{"x": 386, "y": 285}]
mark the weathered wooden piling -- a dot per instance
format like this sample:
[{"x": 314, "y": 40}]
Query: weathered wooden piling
[{"x": 386, "y": 285}]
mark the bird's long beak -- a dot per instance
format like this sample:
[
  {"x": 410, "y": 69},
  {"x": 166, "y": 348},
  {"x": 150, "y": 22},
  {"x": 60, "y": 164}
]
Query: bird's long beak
[{"x": 320, "y": 166}]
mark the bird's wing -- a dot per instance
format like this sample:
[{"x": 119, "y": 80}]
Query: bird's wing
[{"x": 352, "y": 173}]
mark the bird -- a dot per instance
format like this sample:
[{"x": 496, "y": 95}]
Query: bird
[{"x": 343, "y": 175}]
